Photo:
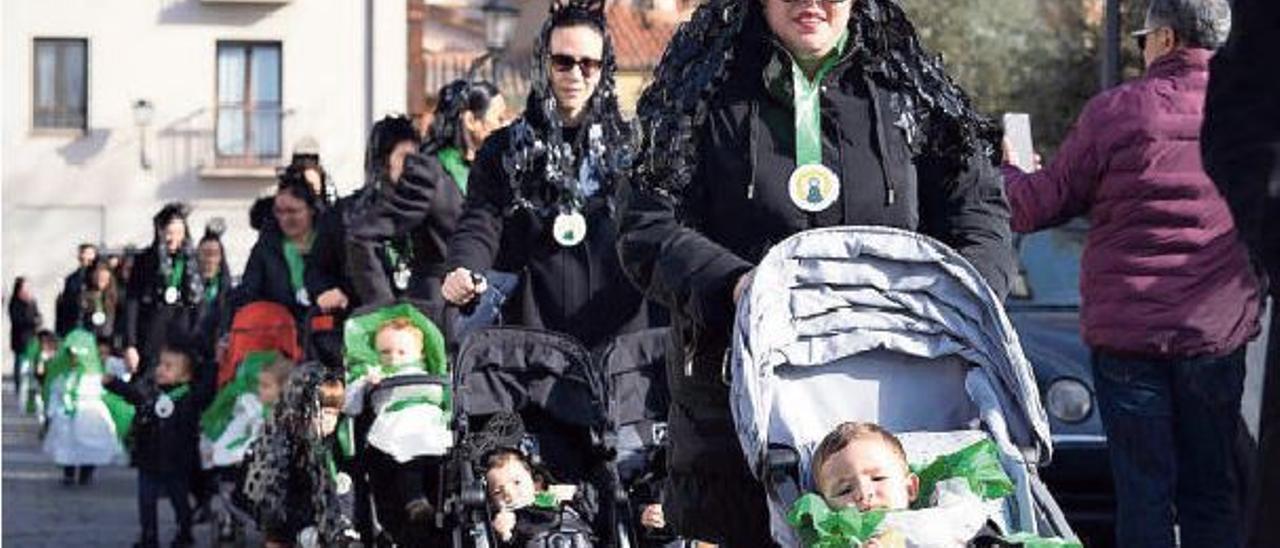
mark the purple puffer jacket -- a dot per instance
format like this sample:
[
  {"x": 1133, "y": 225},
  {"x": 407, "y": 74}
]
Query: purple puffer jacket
[{"x": 1163, "y": 273}]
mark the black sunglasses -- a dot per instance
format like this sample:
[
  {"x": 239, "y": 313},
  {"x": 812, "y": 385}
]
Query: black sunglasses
[{"x": 566, "y": 63}]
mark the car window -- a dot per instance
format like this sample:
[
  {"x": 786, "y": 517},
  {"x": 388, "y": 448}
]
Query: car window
[{"x": 1049, "y": 266}]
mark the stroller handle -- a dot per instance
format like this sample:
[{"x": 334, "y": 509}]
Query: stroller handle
[{"x": 415, "y": 379}]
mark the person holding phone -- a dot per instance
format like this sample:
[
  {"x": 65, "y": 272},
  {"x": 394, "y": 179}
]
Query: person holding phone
[{"x": 1169, "y": 297}]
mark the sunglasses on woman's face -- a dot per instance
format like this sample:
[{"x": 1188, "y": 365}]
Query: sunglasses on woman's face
[{"x": 566, "y": 63}]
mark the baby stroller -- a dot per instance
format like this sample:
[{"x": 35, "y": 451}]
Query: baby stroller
[
  {"x": 259, "y": 332},
  {"x": 258, "y": 326},
  {"x": 400, "y": 433},
  {"x": 881, "y": 325},
  {"x": 550, "y": 381},
  {"x": 635, "y": 366}
]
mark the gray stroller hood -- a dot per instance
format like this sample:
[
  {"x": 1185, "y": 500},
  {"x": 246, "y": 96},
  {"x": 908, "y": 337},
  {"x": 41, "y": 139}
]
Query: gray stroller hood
[{"x": 877, "y": 324}]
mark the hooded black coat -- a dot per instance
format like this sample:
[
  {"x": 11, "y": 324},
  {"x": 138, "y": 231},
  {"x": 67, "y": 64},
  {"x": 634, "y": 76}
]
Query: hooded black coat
[
  {"x": 688, "y": 249},
  {"x": 580, "y": 291},
  {"x": 416, "y": 216}
]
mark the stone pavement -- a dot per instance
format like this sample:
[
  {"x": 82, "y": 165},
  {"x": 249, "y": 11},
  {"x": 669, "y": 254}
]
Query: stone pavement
[{"x": 39, "y": 511}]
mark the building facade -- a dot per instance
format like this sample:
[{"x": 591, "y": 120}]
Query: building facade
[{"x": 113, "y": 108}]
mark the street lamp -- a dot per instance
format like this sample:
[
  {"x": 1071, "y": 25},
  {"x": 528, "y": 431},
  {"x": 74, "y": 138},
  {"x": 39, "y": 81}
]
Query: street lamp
[
  {"x": 499, "y": 24},
  {"x": 500, "y": 18},
  {"x": 143, "y": 111}
]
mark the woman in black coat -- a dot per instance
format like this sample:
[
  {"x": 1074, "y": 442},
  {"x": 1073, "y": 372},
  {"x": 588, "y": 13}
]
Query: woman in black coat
[
  {"x": 768, "y": 118},
  {"x": 24, "y": 321},
  {"x": 277, "y": 264},
  {"x": 541, "y": 194},
  {"x": 101, "y": 303},
  {"x": 397, "y": 245},
  {"x": 214, "y": 316},
  {"x": 164, "y": 289}
]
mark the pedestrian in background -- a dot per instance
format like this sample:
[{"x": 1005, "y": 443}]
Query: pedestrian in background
[
  {"x": 24, "y": 321},
  {"x": 1170, "y": 298}
]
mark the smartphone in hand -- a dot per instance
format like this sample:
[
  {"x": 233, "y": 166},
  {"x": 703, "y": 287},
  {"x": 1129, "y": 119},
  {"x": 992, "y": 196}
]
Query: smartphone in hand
[{"x": 1019, "y": 149}]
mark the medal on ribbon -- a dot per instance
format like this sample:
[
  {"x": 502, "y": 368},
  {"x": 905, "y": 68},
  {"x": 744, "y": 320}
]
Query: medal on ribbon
[{"x": 569, "y": 228}]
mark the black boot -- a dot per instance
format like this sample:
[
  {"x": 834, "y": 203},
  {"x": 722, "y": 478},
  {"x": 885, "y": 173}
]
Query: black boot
[
  {"x": 68, "y": 475},
  {"x": 183, "y": 540},
  {"x": 86, "y": 475}
]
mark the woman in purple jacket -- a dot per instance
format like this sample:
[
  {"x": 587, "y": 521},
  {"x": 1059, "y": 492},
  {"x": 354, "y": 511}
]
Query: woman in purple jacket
[{"x": 1169, "y": 295}]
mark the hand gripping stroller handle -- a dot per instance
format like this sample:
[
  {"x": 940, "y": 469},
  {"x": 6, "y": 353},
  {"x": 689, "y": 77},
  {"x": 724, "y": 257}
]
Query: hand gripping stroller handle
[{"x": 477, "y": 279}]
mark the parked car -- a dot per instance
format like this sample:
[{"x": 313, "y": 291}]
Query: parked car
[{"x": 1044, "y": 306}]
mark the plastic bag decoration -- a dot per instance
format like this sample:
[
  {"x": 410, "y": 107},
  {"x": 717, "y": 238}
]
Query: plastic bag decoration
[{"x": 543, "y": 168}]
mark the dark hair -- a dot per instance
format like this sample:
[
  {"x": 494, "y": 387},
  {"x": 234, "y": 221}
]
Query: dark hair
[
  {"x": 86, "y": 245},
  {"x": 294, "y": 183},
  {"x": 846, "y": 433},
  {"x": 383, "y": 138},
  {"x": 1196, "y": 23},
  {"x": 172, "y": 211},
  {"x": 18, "y": 284},
  {"x": 456, "y": 98}
]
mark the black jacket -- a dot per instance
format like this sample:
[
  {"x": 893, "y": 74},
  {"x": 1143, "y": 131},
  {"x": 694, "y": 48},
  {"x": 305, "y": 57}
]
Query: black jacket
[
  {"x": 327, "y": 262},
  {"x": 1241, "y": 136},
  {"x": 689, "y": 255},
  {"x": 149, "y": 320},
  {"x": 580, "y": 291},
  {"x": 67, "y": 306},
  {"x": 89, "y": 305},
  {"x": 416, "y": 217},
  {"x": 24, "y": 321},
  {"x": 213, "y": 317},
  {"x": 266, "y": 276},
  {"x": 169, "y": 445}
]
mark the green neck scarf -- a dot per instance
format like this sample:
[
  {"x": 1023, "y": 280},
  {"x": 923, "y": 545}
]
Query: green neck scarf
[
  {"x": 808, "y": 105},
  {"x": 451, "y": 159},
  {"x": 178, "y": 392},
  {"x": 211, "y": 289},
  {"x": 175, "y": 275},
  {"x": 293, "y": 258}
]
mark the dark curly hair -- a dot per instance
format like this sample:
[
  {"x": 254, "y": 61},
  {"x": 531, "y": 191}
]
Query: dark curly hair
[
  {"x": 457, "y": 97},
  {"x": 936, "y": 113}
]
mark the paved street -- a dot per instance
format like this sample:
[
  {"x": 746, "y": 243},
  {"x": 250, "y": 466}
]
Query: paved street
[{"x": 39, "y": 511}]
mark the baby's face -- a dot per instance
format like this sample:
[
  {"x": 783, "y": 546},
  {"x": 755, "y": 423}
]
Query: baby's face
[
  {"x": 398, "y": 347},
  {"x": 268, "y": 389},
  {"x": 868, "y": 474},
  {"x": 510, "y": 485}
]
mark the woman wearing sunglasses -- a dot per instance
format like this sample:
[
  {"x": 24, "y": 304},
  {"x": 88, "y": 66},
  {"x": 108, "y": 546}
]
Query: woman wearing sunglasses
[
  {"x": 540, "y": 198},
  {"x": 767, "y": 118}
]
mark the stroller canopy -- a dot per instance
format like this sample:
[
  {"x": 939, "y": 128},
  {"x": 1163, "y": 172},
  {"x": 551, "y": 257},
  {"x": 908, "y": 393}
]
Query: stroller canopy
[
  {"x": 910, "y": 312},
  {"x": 259, "y": 326},
  {"x": 360, "y": 330}
]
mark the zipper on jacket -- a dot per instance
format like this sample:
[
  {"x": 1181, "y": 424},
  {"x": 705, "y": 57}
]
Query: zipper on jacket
[{"x": 891, "y": 194}]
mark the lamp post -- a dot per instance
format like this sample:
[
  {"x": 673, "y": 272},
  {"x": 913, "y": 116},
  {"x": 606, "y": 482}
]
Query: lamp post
[
  {"x": 500, "y": 18},
  {"x": 143, "y": 111}
]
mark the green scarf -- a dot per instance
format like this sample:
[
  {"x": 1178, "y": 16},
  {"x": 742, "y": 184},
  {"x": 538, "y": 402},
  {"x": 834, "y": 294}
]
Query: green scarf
[
  {"x": 451, "y": 159},
  {"x": 215, "y": 419},
  {"x": 293, "y": 258},
  {"x": 211, "y": 289},
  {"x": 175, "y": 275},
  {"x": 808, "y": 105}
]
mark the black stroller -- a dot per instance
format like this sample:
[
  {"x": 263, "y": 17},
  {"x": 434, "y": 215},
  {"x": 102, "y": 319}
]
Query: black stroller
[
  {"x": 635, "y": 368},
  {"x": 551, "y": 383}
]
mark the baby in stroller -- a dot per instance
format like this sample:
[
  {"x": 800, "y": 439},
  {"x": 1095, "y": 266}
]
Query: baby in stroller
[
  {"x": 525, "y": 507},
  {"x": 396, "y": 373},
  {"x": 230, "y": 426}
]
